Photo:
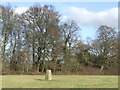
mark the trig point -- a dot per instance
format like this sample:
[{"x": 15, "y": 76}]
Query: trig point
[{"x": 48, "y": 75}]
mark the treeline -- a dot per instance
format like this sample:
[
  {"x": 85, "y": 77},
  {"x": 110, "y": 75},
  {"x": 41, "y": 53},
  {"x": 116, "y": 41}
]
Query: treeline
[{"x": 37, "y": 40}]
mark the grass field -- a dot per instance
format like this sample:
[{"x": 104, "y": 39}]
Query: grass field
[{"x": 59, "y": 81}]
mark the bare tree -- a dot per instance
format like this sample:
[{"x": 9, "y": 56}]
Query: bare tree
[
  {"x": 106, "y": 44},
  {"x": 41, "y": 19},
  {"x": 7, "y": 25},
  {"x": 69, "y": 29}
]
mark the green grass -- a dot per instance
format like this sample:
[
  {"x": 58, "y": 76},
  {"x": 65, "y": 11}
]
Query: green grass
[{"x": 59, "y": 81}]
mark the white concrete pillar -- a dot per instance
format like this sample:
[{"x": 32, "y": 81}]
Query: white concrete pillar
[{"x": 48, "y": 75}]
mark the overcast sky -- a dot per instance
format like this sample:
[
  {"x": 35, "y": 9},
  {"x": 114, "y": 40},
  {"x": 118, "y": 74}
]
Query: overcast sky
[{"x": 89, "y": 15}]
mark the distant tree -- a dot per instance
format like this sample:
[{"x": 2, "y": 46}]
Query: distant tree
[
  {"x": 43, "y": 21},
  {"x": 106, "y": 45},
  {"x": 83, "y": 53},
  {"x": 69, "y": 32},
  {"x": 6, "y": 24}
]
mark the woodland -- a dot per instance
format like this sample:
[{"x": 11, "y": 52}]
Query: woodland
[{"x": 37, "y": 40}]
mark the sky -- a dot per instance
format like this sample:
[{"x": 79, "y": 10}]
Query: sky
[{"x": 88, "y": 15}]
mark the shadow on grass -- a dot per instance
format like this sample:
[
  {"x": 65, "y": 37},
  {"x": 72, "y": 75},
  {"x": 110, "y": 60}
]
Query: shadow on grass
[
  {"x": 40, "y": 79},
  {"x": 46, "y": 80}
]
